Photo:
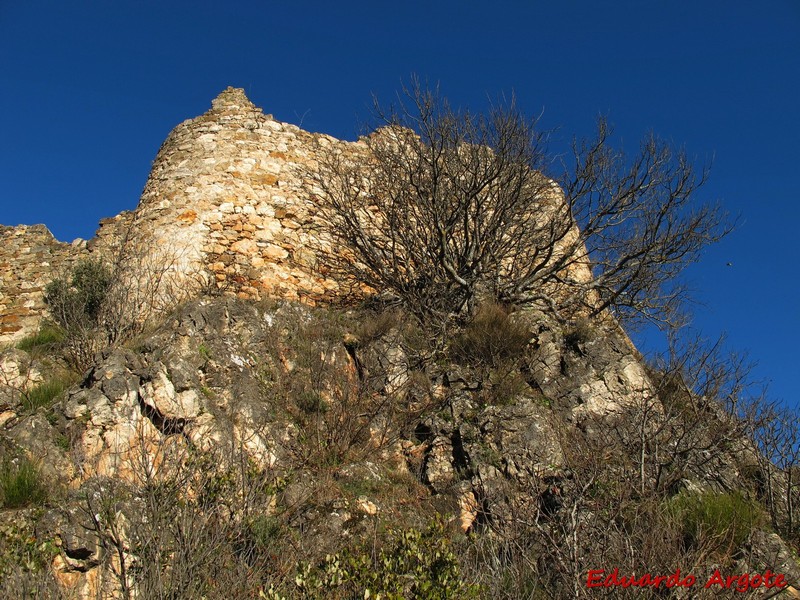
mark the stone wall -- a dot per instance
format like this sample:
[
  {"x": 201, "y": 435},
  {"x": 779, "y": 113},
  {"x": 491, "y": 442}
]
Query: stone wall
[
  {"x": 229, "y": 203},
  {"x": 228, "y": 193},
  {"x": 29, "y": 257},
  {"x": 226, "y": 199}
]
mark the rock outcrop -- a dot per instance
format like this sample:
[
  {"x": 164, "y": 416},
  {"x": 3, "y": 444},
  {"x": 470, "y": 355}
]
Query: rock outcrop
[
  {"x": 255, "y": 417},
  {"x": 300, "y": 410}
]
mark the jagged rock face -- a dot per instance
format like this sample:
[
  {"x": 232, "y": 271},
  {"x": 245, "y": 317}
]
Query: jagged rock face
[
  {"x": 592, "y": 369},
  {"x": 349, "y": 423},
  {"x": 200, "y": 381},
  {"x": 132, "y": 403}
]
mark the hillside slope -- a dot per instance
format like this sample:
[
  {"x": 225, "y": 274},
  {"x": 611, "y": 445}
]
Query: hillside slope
[{"x": 256, "y": 436}]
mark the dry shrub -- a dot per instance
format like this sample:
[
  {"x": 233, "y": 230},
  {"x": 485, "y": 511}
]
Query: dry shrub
[{"x": 490, "y": 339}]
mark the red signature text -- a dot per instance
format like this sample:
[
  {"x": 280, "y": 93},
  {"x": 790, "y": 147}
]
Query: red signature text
[{"x": 600, "y": 578}]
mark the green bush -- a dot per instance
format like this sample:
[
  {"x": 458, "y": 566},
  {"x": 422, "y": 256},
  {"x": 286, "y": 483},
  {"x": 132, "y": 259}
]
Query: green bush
[
  {"x": 261, "y": 531},
  {"x": 493, "y": 343},
  {"x": 310, "y": 402},
  {"x": 412, "y": 564},
  {"x": 21, "y": 484},
  {"x": 720, "y": 522},
  {"x": 79, "y": 301},
  {"x": 24, "y": 561},
  {"x": 77, "y": 304}
]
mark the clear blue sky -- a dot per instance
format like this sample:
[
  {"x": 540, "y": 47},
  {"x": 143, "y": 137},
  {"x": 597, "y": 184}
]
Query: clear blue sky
[{"x": 90, "y": 89}]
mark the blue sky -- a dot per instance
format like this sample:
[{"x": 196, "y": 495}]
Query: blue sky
[{"x": 90, "y": 89}]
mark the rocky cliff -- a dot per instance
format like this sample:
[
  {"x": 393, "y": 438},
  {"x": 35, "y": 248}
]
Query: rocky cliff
[{"x": 259, "y": 442}]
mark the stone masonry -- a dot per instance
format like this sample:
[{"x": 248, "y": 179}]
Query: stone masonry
[
  {"x": 229, "y": 202},
  {"x": 226, "y": 198},
  {"x": 228, "y": 193},
  {"x": 29, "y": 257}
]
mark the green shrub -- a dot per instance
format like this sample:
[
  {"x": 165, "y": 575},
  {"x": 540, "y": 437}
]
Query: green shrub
[
  {"x": 310, "y": 402},
  {"x": 44, "y": 393},
  {"x": 21, "y": 484},
  {"x": 490, "y": 338},
  {"x": 78, "y": 304},
  {"x": 493, "y": 343},
  {"x": 79, "y": 301},
  {"x": 412, "y": 564},
  {"x": 720, "y": 522},
  {"x": 263, "y": 530},
  {"x": 24, "y": 560}
]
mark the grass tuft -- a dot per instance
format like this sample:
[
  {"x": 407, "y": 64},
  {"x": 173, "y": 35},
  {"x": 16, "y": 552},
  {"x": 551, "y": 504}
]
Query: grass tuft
[
  {"x": 46, "y": 338},
  {"x": 21, "y": 484},
  {"x": 43, "y": 394}
]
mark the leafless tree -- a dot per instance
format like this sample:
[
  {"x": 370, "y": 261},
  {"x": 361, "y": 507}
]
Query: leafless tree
[
  {"x": 776, "y": 431},
  {"x": 446, "y": 208},
  {"x": 184, "y": 526},
  {"x": 150, "y": 277},
  {"x": 693, "y": 423},
  {"x": 640, "y": 224},
  {"x": 713, "y": 413}
]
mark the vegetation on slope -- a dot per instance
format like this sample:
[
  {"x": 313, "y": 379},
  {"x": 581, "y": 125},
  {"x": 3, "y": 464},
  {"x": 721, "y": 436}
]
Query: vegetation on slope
[{"x": 482, "y": 428}]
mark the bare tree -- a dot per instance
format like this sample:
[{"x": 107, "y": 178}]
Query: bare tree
[
  {"x": 694, "y": 423},
  {"x": 776, "y": 431},
  {"x": 184, "y": 526},
  {"x": 448, "y": 207},
  {"x": 640, "y": 223},
  {"x": 150, "y": 278}
]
